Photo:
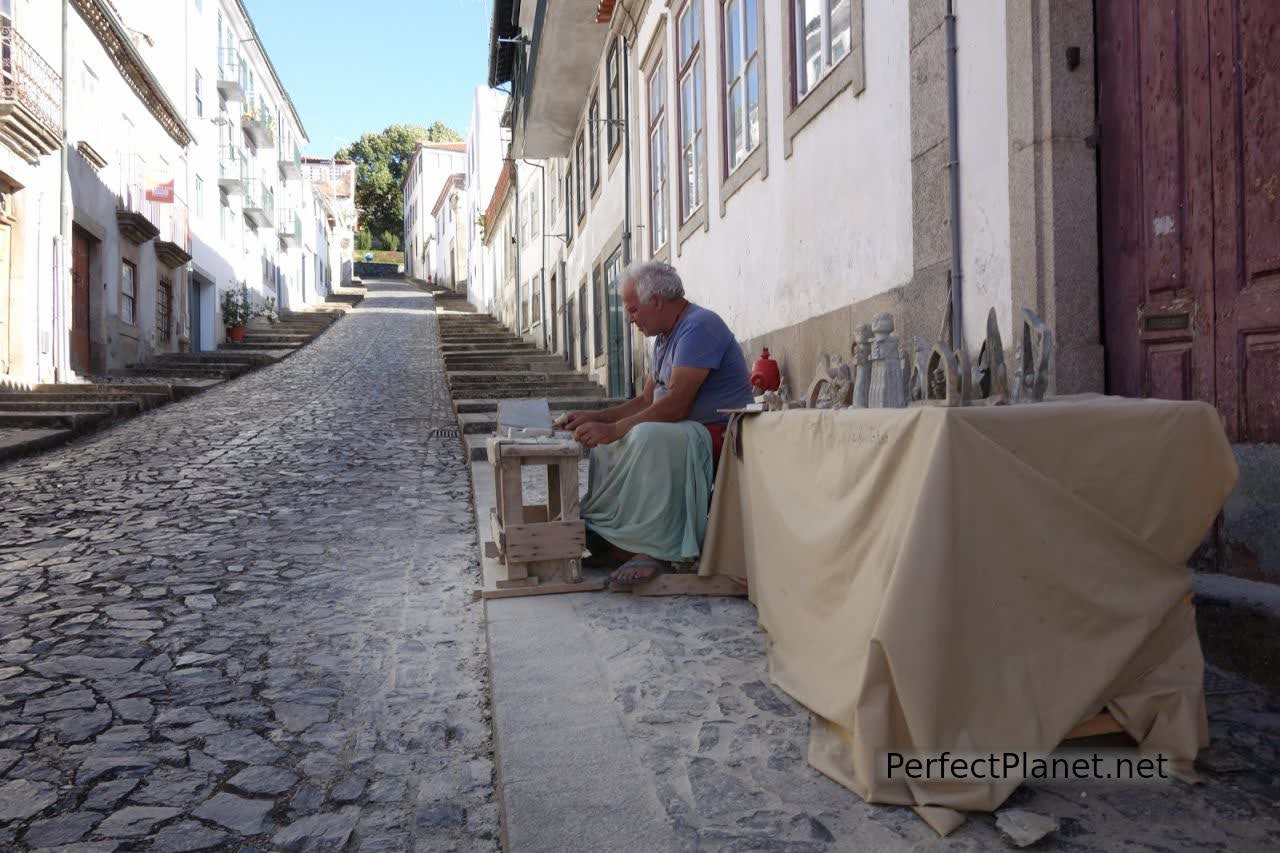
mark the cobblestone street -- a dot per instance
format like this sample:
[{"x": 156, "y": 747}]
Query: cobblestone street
[{"x": 244, "y": 621}]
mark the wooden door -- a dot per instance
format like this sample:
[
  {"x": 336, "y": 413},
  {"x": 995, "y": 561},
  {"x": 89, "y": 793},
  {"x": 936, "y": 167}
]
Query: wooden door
[
  {"x": 6, "y": 322},
  {"x": 79, "y": 301},
  {"x": 1244, "y": 76},
  {"x": 1189, "y": 108}
]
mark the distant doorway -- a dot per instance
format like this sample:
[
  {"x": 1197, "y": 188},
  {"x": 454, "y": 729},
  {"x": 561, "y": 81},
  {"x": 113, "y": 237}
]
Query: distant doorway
[{"x": 80, "y": 347}]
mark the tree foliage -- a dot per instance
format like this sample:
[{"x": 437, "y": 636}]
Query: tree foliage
[{"x": 381, "y": 159}]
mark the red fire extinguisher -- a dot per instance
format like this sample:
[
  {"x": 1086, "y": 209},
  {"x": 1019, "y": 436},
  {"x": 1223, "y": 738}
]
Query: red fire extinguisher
[{"x": 765, "y": 374}]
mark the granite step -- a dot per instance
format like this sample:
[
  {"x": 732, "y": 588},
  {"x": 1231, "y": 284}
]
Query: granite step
[
  {"x": 75, "y": 420},
  {"x": 114, "y": 408},
  {"x": 489, "y": 393},
  {"x": 562, "y": 403}
]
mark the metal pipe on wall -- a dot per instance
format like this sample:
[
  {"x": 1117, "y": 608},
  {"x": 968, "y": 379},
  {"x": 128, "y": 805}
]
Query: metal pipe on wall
[
  {"x": 61, "y": 337},
  {"x": 953, "y": 166},
  {"x": 627, "y": 204}
]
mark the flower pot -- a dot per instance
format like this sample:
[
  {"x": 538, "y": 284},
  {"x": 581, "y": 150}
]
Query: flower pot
[{"x": 235, "y": 334}]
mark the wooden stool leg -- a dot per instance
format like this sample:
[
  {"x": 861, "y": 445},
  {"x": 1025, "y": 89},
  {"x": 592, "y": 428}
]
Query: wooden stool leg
[
  {"x": 511, "y": 509},
  {"x": 567, "y": 477}
]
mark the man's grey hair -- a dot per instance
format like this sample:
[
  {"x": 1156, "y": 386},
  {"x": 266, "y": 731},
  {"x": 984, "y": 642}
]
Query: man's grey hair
[{"x": 654, "y": 278}]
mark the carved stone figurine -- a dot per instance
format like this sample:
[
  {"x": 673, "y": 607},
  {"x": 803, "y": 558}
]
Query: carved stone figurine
[
  {"x": 1035, "y": 359},
  {"x": 832, "y": 385},
  {"x": 862, "y": 366},
  {"x": 886, "y": 366},
  {"x": 943, "y": 375},
  {"x": 773, "y": 401},
  {"x": 918, "y": 381},
  {"x": 991, "y": 377}
]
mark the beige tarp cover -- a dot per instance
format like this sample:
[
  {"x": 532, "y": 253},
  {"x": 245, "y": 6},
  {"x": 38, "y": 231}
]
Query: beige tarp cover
[{"x": 974, "y": 579}]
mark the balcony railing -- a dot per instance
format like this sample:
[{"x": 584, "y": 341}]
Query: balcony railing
[
  {"x": 258, "y": 124},
  {"x": 134, "y": 214},
  {"x": 233, "y": 168},
  {"x": 30, "y": 98},
  {"x": 259, "y": 204},
  {"x": 291, "y": 163},
  {"x": 173, "y": 243},
  {"x": 233, "y": 77},
  {"x": 289, "y": 227}
]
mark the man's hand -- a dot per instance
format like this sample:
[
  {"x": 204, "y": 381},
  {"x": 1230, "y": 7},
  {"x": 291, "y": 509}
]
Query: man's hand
[
  {"x": 595, "y": 434},
  {"x": 573, "y": 420}
]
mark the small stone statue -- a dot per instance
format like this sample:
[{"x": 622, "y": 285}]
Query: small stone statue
[
  {"x": 862, "y": 366},
  {"x": 1035, "y": 359},
  {"x": 943, "y": 374},
  {"x": 918, "y": 382},
  {"x": 991, "y": 377},
  {"x": 832, "y": 386},
  {"x": 886, "y": 387},
  {"x": 773, "y": 401}
]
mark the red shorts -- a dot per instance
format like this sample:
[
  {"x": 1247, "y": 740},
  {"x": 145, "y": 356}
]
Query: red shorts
[{"x": 717, "y": 441}]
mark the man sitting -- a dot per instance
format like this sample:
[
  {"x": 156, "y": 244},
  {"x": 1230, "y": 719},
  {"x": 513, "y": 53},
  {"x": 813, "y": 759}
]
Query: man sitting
[{"x": 651, "y": 464}]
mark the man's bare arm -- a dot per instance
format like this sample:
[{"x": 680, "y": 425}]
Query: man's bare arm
[
  {"x": 613, "y": 414},
  {"x": 674, "y": 406}
]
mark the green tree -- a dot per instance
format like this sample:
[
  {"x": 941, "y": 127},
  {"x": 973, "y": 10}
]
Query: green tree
[
  {"x": 390, "y": 242},
  {"x": 381, "y": 159},
  {"x": 364, "y": 240}
]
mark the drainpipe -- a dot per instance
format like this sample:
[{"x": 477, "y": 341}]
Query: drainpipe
[
  {"x": 625, "y": 73},
  {"x": 61, "y": 336},
  {"x": 953, "y": 166}
]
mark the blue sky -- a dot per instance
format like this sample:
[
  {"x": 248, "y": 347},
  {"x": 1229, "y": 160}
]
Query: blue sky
[{"x": 354, "y": 68}]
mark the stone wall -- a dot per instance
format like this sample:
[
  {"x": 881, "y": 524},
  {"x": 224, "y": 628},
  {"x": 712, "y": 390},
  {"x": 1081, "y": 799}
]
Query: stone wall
[{"x": 364, "y": 269}]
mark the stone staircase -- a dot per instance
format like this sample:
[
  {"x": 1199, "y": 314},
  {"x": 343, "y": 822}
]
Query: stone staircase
[
  {"x": 47, "y": 415},
  {"x": 485, "y": 363}
]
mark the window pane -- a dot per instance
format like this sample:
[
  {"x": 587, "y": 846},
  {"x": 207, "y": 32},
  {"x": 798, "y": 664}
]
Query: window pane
[
  {"x": 809, "y": 50},
  {"x": 732, "y": 40},
  {"x": 687, "y": 117},
  {"x": 840, "y": 30},
  {"x": 749, "y": 23},
  {"x": 699, "y": 93},
  {"x": 737, "y": 140},
  {"x": 700, "y": 158},
  {"x": 753, "y": 104},
  {"x": 657, "y": 90},
  {"x": 686, "y": 34}
]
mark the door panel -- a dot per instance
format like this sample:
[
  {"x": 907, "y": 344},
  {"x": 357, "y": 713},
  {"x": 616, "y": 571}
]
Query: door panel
[
  {"x": 1156, "y": 210},
  {"x": 79, "y": 301},
  {"x": 6, "y": 323},
  {"x": 1189, "y": 111},
  {"x": 1246, "y": 107}
]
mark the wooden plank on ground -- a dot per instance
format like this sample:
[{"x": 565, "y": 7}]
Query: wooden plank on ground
[
  {"x": 540, "y": 589},
  {"x": 688, "y": 584},
  {"x": 1101, "y": 724}
]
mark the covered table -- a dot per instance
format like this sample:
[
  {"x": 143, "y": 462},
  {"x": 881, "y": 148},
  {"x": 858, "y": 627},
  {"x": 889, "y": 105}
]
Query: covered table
[{"x": 974, "y": 579}]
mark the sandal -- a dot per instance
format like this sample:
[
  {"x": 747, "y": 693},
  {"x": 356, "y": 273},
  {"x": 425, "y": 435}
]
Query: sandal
[{"x": 647, "y": 568}]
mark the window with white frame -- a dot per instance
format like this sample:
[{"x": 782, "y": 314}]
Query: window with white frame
[
  {"x": 822, "y": 32},
  {"x": 658, "y": 157},
  {"x": 199, "y": 90},
  {"x": 535, "y": 213},
  {"x": 568, "y": 202},
  {"x": 593, "y": 135},
  {"x": 199, "y": 197},
  {"x": 580, "y": 167},
  {"x": 693, "y": 141},
  {"x": 128, "y": 293},
  {"x": 741, "y": 46},
  {"x": 613, "y": 97}
]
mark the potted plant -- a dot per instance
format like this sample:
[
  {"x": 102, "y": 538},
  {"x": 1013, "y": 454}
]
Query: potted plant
[
  {"x": 265, "y": 313},
  {"x": 235, "y": 311}
]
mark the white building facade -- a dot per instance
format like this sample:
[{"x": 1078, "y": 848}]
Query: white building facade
[
  {"x": 430, "y": 165},
  {"x": 790, "y": 160}
]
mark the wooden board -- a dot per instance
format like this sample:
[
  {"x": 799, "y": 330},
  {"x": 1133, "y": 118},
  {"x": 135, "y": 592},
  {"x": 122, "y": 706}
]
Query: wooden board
[
  {"x": 688, "y": 584},
  {"x": 517, "y": 583},
  {"x": 540, "y": 589},
  {"x": 551, "y": 540},
  {"x": 1102, "y": 724}
]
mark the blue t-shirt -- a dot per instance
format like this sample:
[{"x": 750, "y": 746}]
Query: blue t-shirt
[{"x": 701, "y": 339}]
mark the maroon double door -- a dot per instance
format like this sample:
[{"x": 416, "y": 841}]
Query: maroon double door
[{"x": 1189, "y": 121}]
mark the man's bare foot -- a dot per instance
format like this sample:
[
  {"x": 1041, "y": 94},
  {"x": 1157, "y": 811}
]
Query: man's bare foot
[{"x": 639, "y": 569}]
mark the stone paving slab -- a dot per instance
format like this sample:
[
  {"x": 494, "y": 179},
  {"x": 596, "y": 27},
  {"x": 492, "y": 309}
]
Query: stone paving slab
[{"x": 273, "y": 577}]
